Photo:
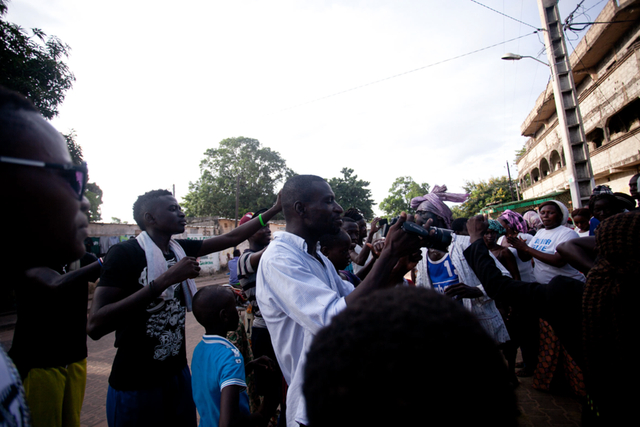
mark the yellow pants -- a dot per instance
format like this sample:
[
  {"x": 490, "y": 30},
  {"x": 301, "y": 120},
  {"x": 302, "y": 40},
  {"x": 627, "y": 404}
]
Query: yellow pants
[{"x": 55, "y": 395}]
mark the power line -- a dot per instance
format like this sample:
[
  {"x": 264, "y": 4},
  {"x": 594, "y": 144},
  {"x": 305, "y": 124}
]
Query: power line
[
  {"x": 406, "y": 72},
  {"x": 504, "y": 14}
]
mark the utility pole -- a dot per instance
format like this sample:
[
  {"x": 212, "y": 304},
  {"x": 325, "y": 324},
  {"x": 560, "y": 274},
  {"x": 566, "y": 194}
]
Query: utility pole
[
  {"x": 576, "y": 151},
  {"x": 510, "y": 185},
  {"x": 237, "y": 190}
]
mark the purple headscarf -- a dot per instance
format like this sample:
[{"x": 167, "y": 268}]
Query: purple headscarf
[
  {"x": 515, "y": 221},
  {"x": 434, "y": 203},
  {"x": 533, "y": 220}
]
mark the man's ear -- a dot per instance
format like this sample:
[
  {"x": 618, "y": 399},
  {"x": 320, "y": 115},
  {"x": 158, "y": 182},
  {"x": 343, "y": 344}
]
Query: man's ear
[
  {"x": 300, "y": 208},
  {"x": 148, "y": 218},
  {"x": 324, "y": 250}
]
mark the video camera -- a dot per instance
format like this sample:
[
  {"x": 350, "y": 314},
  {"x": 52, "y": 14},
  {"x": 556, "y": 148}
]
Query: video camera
[{"x": 437, "y": 238}]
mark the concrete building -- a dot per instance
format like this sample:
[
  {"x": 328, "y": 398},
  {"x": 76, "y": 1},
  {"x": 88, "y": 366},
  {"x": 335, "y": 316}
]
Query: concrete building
[{"x": 606, "y": 70}]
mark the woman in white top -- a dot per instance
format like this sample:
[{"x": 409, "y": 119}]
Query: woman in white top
[{"x": 548, "y": 262}]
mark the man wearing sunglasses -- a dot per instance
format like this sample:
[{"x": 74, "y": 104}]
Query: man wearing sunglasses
[{"x": 43, "y": 220}]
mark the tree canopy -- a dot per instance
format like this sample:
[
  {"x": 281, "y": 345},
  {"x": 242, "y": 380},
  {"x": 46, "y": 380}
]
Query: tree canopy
[
  {"x": 402, "y": 190},
  {"x": 351, "y": 192},
  {"x": 93, "y": 192},
  {"x": 259, "y": 170},
  {"x": 483, "y": 193},
  {"x": 33, "y": 65}
]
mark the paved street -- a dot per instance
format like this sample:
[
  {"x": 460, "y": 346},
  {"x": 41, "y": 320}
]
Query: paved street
[{"x": 538, "y": 409}]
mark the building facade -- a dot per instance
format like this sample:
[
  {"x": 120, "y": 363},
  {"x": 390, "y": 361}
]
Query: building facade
[{"x": 606, "y": 70}]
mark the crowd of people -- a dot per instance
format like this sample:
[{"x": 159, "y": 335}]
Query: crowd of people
[{"x": 413, "y": 322}]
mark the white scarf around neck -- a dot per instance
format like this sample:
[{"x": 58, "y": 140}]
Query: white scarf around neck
[{"x": 157, "y": 265}]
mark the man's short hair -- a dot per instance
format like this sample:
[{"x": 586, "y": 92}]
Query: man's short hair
[
  {"x": 459, "y": 224},
  {"x": 406, "y": 356},
  {"x": 143, "y": 203},
  {"x": 11, "y": 124},
  {"x": 330, "y": 240},
  {"x": 297, "y": 189},
  {"x": 354, "y": 214}
]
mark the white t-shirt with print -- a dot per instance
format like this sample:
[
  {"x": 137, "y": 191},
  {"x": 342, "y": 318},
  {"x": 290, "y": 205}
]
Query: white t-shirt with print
[{"x": 547, "y": 241}]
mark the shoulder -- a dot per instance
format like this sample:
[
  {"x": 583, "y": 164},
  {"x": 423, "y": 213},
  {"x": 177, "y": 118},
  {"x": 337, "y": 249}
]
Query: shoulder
[
  {"x": 124, "y": 260},
  {"x": 191, "y": 247}
]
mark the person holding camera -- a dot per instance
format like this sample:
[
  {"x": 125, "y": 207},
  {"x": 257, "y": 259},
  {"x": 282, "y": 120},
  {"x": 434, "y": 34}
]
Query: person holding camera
[
  {"x": 299, "y": 290},
  {"x": 447, "y": 271}
]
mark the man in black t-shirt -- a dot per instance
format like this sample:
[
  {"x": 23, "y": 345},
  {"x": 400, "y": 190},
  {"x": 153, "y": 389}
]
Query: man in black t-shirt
[{"x": 143, "y": 294}]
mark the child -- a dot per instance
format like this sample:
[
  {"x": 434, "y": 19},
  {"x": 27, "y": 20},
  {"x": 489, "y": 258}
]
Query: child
[
  {"x": 145, "y": 289},
  {"x": 219, "y": 386},
  {"x": 581, "y": 220},
  {"x": 336, "y": 247}
]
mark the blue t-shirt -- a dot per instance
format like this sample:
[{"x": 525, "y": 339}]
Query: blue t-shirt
[
  {"x": 442, "y": 273},
  {"x": 233, "y": 271},
  {"x": 216, "y": 364}
]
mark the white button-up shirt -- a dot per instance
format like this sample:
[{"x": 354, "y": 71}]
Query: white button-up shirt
[{"x": 297, "y": 296}]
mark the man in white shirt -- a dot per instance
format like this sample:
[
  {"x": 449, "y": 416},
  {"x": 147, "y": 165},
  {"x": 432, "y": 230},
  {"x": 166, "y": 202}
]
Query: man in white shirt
[{"x": 299, "y": 290}]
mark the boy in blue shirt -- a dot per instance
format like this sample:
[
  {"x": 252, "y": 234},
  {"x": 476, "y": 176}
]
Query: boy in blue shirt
[{"x": 218, "y": 380}]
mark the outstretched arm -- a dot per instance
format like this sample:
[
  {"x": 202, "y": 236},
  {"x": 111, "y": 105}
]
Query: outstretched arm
[
  {"x": 46, "y": 278},
  {"x": 364, "y": 253},
  {"x": 240, "y": 234},
  {"x": 579, "y": 253}
]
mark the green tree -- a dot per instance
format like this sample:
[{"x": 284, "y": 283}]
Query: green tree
[
  {"x": 483, "y": 193},
  {"x": 351, "y": 192},
  {"x": 402, "y": 190},
  {"x": 93, "y": 192},
  {"x": 33, "y": 65},
  {"x": 259, "y": 170}
]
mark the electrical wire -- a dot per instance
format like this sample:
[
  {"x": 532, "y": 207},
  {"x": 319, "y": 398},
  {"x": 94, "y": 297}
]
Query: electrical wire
[
  {"x": 504, "y": 14},
  {"x": 407, "y": 72}
]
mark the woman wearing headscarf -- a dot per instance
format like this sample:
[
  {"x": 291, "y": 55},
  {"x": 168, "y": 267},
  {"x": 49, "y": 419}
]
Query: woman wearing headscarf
[
  {"x": 448, "y": 272},
  {"x": 548, "y": 262},
  {"x": 515, "y": 226},
  {"x": 534, "y": 223}
]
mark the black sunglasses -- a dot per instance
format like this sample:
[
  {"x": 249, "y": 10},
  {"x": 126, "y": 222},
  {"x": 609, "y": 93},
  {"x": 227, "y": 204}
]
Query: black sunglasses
[{"x": 75, "y": 175}]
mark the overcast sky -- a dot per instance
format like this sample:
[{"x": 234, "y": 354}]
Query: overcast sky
[{"x": 158, "y": 82}]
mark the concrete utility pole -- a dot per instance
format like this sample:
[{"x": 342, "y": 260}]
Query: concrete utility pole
[{"x": 576, "y": 151}]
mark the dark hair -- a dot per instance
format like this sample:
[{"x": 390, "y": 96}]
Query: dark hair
[
  {"x": 458, "y": 224},
  {"x": 610, "y": 198},
  {"x": 585, "y": 212},
  {"x": 329, "y": 240},
  {"x": 406, "y": 356},
  {"x": 354, "y": 214},
  {"x": 13, "y": 101},
  {"x": 347, "y": 219},
  {"x": 625, "y": 201},
  {"x": 297, "y": 189},
  {"x": 143, "y": 203},
  {"x": 11, "y": 124},
  {"x": 236, "y": 252},
  {"x": 208, "y": 302}
]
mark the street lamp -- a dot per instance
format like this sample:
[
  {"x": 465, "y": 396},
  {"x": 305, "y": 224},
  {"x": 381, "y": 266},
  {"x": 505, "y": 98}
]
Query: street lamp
[
  {"x": 573, "y": 139},
  {"x": 516, "y": 57}
]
